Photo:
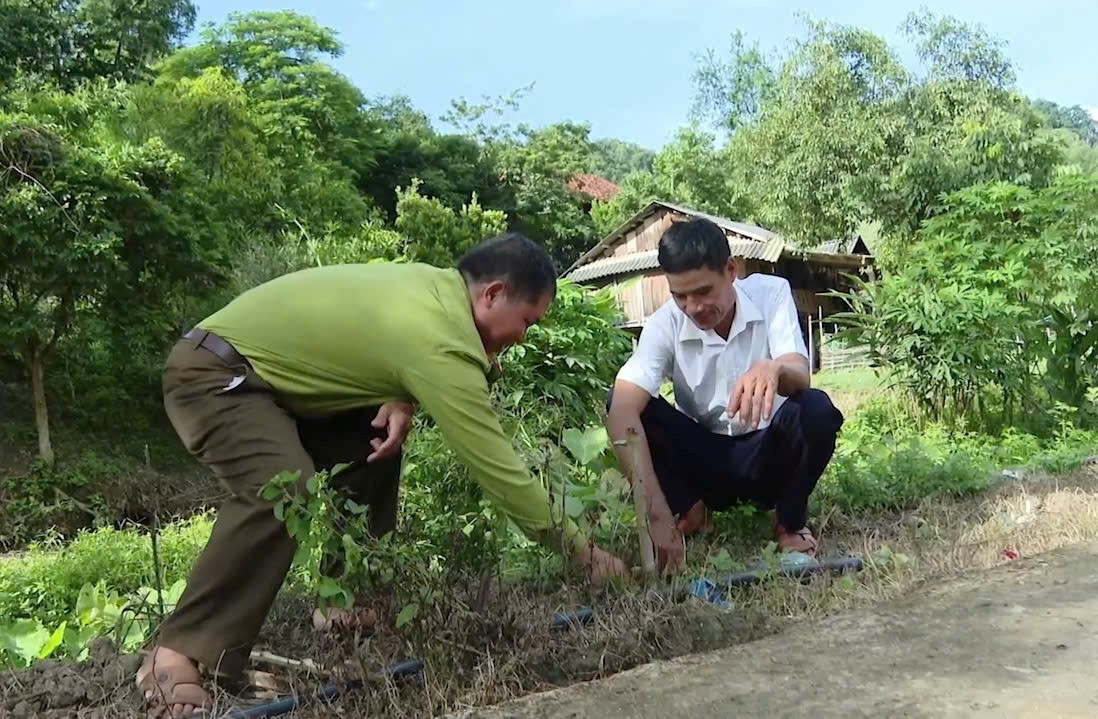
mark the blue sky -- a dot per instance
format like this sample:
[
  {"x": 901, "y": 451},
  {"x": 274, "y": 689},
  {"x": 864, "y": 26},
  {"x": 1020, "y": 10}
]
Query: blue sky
[{"x": 624, "y": 66}]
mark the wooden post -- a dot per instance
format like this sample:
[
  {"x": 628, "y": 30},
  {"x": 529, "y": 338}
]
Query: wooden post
[
  {"x": 640, "y": 506},
  {"x": 811, "y": 344},
  {"x": 819, "y": 347}
]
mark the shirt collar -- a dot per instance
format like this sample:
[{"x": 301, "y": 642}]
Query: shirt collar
[{"x": 746, "y": 313}]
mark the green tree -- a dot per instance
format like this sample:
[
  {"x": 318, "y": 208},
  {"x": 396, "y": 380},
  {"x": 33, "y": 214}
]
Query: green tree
[
  {"x": 731, "y": 92},
  {"x": 995, "y": 302},
  {"x": 842, "y": 133},
  {"x": 68, "y": 42},
  {"x": 536, "y": 168},
  {"x": 824, "y": 129},
  {"x": 86, "y": 229},
  {"x": 690, "y": 170},
  {"x": 616, "y": 159},
  {"x": 435, "y": 233},
  {"x": 958, "y": 51},
  {"x": 450, "y": 167},
  {"x": 306, "y": 107},
  {"x": 1075, "y": 118}
]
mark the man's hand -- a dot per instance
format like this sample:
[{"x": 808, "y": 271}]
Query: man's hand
[
  {"x": 753, "y": 396},
  {"x": 600, "y": 565},
  {"x": 396, "y": 419},
  {"x": 668, "y": 542}
]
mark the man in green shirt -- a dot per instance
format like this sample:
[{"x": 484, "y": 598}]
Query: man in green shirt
[{"x": 325, "y": 366}]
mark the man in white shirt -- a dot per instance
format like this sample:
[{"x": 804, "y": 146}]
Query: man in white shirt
[{"x": 748, "y": 428}]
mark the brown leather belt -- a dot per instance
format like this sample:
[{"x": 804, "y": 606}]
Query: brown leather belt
[{"x": 208, "y": 340}]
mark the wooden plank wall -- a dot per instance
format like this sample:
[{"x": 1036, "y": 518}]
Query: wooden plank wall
[
  {"x": 640, "y": 296},
  {"x": 645, "y": 237},
  {"x": 655, "y": 292}
]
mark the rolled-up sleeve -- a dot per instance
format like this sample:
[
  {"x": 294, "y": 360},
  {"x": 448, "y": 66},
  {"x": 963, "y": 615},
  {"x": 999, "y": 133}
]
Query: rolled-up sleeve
[
  {"x": 650, "y": 364},
  {"x": 453, "y": 390},
  {"x": 783, "y": 326}
]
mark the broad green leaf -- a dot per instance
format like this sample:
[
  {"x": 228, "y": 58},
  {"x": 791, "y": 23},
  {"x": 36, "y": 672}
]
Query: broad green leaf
[
  {"x": 585, "y": 445},
  {"x": 407, "y": 614}
]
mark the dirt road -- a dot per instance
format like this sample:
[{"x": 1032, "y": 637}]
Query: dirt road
[{"x": 1020, "y": 640}]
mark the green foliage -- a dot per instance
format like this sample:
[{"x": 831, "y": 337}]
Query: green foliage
[
  {"x": 569, "y": 359},
  {"x": 336, "y": 556},
  {"x": 47, "y": 581},
  {"x": 436, "y": 234},
  {"x": 958, "y": 51},
  {"x": 837, "y": 131},
  {"x": 823, "y": 128},
  {"x": 958, "y": 135},
  {"x": 128, "y": 621},
  {"x": 1075, "y": 119},
  {"x": 302, "y": 101},
  {"x": 885, "y": 460},
  {"x": 450, "y": 167},
  {"x": 996, "y": 300},
  {"x": 730, "y": 93},
  {"x": 616, "y": 159},
  {"x": 69, "y": 43},
  {"x": 536, "y": 167},
  {"x": 88, "y": 224},
  {"x": 689, "y": 170}
]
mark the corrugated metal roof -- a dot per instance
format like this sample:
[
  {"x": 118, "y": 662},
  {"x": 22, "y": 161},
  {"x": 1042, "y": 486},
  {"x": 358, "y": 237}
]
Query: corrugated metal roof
[
  {"x": 831, "y": 246},
  {"x": 768, "y": 251},
  {"x": 743, "y": 229}
]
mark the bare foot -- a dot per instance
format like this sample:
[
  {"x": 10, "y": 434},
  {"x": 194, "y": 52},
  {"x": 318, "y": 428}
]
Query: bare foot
[{"x": 172, "y": 684}]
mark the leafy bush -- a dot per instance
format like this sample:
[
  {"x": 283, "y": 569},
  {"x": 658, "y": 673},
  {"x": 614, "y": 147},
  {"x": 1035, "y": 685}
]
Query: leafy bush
[
  {"x": 45, "y": 583},
  {"x": 886, "y": 460},
  {"x": 994, "y": 305},
  {"x": 99, "y": 611},
  {"x": 568, "y": 360}
]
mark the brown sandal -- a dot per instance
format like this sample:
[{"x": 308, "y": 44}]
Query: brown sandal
[
  {"x": 798, "y": 541},
  {"x": 162, "y": 691}
]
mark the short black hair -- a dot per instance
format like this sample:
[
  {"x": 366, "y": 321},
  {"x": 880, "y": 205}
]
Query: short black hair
[
  {"x": 517, "y": 260},
  {"x": 693, "y": 245}
]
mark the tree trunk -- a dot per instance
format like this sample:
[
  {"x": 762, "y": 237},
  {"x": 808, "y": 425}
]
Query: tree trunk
[{"x": 36, "y": 364}]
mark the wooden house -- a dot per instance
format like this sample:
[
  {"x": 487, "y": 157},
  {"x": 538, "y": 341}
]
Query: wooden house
[{"x": 627, "y": 261}]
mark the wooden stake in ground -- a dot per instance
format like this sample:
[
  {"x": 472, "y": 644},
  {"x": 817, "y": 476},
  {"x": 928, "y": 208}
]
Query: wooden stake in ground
[{"x": 640, "y": 505}]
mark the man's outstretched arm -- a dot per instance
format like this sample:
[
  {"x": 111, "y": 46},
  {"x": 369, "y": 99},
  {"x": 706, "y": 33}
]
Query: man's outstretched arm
[
  {"x": 454, "y": 392},
  {"x": 623, "y": 424}
]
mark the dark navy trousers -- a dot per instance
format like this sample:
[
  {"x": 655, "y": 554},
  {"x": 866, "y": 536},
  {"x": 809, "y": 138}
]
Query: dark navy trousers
[{"x": 775, "y": 467}]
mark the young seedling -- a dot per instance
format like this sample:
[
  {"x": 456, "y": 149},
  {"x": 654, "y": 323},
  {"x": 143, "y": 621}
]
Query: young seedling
[{"x": 640, "y": 505}]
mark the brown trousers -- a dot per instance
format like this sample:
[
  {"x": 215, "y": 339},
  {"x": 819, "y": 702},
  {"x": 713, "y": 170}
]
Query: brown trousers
[{"x": 246, "y": 437}]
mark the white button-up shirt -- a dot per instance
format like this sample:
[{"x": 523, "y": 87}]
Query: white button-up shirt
[{"x": 702, "y": 365}]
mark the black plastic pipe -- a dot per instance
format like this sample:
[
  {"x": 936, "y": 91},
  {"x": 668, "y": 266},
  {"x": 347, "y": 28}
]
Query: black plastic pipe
[
  {"x": 837, "y": 566},
  {"x": 406, "y": 668},
  {"x": 560, "y": 622}
]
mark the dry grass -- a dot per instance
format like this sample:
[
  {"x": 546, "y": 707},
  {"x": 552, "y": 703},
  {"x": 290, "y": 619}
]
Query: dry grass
[
  {"x": 902, "y": 551},
  {"x": 482, "y": 649},
  {"x": 940, "y": 538}
]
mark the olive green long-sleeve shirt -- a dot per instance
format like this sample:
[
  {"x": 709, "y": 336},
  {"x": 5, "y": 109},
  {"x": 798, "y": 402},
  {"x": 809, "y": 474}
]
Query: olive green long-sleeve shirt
[{"x": 338, "y": 337}]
